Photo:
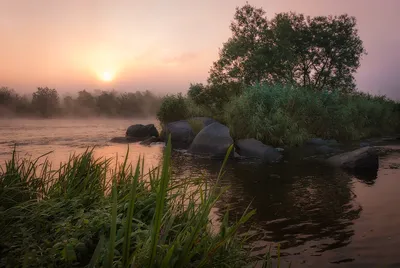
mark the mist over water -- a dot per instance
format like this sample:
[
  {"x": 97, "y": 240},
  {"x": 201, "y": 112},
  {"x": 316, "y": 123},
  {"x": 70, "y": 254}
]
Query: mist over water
[{"x": 321, "y": 217}]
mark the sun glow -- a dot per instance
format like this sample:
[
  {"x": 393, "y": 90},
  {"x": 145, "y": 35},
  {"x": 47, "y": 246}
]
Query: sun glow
[{"x": 107, "y": 76}]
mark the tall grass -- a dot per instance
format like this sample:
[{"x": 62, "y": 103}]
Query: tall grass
[
  {"x": 72, "y": 216},
  {"x": 287, "y": 115}
]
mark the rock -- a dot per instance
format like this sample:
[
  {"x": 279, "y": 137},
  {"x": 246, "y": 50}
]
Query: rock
[
  {"x": 142, "y": 132},
  {"x": 150, "y": 140},
  {"x": 364, "y": 144},
  {"x": 253, "y": 148},
  {"x": 213, "y": 141},
  {"x": 320, "y": 142},
  {"x": 236, "y": 155},
  {"x": 325, "y": 149},
  {"x": 182, "y": 133},
  {"x": 361, "y": 159},
  {"x": 124, "y": 139}
]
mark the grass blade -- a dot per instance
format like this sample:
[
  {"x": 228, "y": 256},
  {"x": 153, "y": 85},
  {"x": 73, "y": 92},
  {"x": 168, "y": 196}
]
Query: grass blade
[
  {"x": 128, "y": 227},
  {"x": 161, "y": 193},
  {"x": 113, "y": 231}
]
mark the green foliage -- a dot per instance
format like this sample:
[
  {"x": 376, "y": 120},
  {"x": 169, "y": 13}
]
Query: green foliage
[
  {"x": 315, "y": 52},
  {"x": 196, "y": 125},
  {"x": 173, "y": 108},
  {"x": 287, "y": 115},
  {"x": 71, "y": 217}
]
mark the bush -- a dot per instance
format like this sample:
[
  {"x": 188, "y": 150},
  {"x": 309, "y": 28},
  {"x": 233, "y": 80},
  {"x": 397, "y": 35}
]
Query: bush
[
  {"x": 173, "y": 108},
  {"x": 196, "y": 125},
  {"x": 288, "y": 115}
]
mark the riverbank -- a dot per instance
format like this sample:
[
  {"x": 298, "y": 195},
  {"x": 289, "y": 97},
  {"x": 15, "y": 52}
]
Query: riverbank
[{"x": 288, "y": 115}]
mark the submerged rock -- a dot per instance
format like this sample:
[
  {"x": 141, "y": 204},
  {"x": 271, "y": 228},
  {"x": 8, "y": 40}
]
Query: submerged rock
[
  {"x": 149, "y": 141},
  {"x": 212, "y": 141},
  {"x": 142, "y": 132},
  {"x": 252, "y": 148},
  {"x": 361, "y": 159}
]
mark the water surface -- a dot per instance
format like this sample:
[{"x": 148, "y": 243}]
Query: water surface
[{"x": 322, "y": 217}]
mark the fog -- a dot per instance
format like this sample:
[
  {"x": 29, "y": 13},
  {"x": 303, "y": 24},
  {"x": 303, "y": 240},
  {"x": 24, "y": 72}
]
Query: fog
[
  {"x": 162, "y": 46},
  {"x": 47, "y": 103}
]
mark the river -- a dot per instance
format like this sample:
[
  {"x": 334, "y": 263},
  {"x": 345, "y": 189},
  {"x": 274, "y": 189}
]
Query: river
[{"x": 321, "y": 217}]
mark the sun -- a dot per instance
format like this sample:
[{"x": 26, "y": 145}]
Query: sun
[{"x": 107, "y": 76}]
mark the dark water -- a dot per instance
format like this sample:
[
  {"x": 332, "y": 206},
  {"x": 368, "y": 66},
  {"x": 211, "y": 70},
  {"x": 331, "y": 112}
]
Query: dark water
[{"x": 321, "y": 217}]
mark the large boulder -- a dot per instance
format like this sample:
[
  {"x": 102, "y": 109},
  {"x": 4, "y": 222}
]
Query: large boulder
[
  {"x": 252, "y": 148},
  {"x": 182, "y": 133},
  {"x": 365, "y": 158},
  {"x": 142, "y": 132},
  {"x": 212, "y": 141}
]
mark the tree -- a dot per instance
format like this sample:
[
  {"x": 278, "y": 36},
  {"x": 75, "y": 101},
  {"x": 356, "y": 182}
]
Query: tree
[
  {"x": 316, "y": 52},
  {"x": 46, "y": 101},
  {"x": 68, "y": 105},
  {"x": 107, "y": 103},
  {"x": 7, "y": 95}
]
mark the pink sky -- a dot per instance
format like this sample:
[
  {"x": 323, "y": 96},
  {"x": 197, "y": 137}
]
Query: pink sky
[{"x": 162, "y": 45}]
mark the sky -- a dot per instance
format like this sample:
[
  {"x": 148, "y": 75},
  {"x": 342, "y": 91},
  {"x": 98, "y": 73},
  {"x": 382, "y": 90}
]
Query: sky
[{"x": 162, "y": 45}]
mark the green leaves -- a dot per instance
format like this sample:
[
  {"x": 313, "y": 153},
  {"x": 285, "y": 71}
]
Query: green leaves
[
  {"x": 316, "y": 52},
  {"x": 173, "y": 108}
]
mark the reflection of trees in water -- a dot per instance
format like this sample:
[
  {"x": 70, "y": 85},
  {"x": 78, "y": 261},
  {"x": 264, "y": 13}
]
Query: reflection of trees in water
[{"x": 296, "y": 203}]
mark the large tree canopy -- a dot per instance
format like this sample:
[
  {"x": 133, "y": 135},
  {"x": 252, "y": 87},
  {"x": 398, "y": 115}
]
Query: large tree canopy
[{"x": 316, "y": 52}]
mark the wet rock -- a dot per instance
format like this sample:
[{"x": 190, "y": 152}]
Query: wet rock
[
  {"x": 213, "y": 141},
  {"x": 142, "y": 132},
  {"x": 253, "y": 148},
  {"x": 361, "y": 159},
  {"x": 150, "y": 140}
]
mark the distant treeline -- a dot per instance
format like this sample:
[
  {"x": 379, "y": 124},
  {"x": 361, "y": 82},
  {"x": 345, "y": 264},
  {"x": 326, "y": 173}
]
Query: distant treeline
[{"x": 46, "y": 102}]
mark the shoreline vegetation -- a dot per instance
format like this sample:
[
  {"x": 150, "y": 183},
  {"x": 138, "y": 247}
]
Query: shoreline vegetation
[
  {"x": 286, "y": 80},
  {"x": 85, "y": 214},
  {"x": 288, "y": 116}
]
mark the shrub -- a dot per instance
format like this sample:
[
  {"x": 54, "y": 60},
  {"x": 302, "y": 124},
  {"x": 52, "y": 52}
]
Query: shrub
[
  {"x": 196, "y": 125},
  {"x": 173, "y": 108},
  {"x": 288, "y": 115}
]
